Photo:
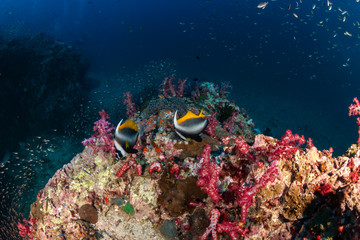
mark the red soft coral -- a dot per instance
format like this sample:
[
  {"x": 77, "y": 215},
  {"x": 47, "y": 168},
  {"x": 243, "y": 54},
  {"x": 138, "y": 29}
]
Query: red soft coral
[
  {"x": 245, "y": 194},
  {"x": 208, "y": 176},
  {"x": 26, "y": 230},
  {"x": 212, "y": 228},
  {"x": 127, "y": 165},
  {"x": 286, "y": 147},
  {"x": 232, "y": 229}
]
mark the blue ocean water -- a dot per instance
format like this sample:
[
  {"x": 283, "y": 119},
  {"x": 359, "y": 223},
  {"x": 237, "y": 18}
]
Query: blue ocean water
[{"x": 292, "y": 65}]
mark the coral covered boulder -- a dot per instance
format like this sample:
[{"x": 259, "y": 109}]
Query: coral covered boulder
[{"x": 234, "y": 185}]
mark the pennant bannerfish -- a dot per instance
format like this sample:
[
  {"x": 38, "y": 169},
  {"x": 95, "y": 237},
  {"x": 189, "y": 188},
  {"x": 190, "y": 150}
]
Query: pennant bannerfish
[
  {"x": 190, "y": 125},
  {"x": 126, "y": 136}
]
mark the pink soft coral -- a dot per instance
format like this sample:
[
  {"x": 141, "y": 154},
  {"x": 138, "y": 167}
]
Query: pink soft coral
[
  {"x": 130, "y": 105},
  {"x": 102, "y": 139},
  {"x": 168, "y": 87}
]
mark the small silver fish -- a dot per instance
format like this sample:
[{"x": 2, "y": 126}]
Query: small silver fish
[{"x": 262, "y": 5}]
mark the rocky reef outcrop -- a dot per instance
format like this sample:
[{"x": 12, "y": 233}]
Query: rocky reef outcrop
[{"x": 233, "y": 184}]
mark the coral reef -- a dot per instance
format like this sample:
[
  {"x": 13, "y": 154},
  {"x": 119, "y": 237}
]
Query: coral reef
[{"x": 232, "y": 184}]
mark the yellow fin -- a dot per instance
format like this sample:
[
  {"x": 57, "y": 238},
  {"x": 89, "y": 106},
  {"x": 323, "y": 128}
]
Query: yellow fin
[
  {"x": 129, "y": 124},
  {"x": 190, "y": 115}
]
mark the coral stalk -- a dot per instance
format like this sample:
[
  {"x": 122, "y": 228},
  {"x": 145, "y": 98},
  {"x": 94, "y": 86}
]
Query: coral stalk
[{"x": 214, "y": 219}]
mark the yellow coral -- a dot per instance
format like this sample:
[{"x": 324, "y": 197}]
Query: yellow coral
[{"x": 104, "y": 177}]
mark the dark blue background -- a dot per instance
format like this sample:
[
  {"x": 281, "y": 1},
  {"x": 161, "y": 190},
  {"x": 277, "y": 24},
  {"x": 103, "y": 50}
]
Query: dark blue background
[{"x": 265, "y": 54}]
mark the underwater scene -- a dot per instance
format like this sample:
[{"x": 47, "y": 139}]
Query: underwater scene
[{"x": 179, "y": 120}]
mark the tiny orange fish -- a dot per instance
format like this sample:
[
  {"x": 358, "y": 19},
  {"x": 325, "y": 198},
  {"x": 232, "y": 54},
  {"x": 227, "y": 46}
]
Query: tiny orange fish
[
  {"x": 160, "y": 121},
  {"x": 157, "y": 149},
  {"x": 161, "y": 96},
  {"x": 145, "y": 149}
]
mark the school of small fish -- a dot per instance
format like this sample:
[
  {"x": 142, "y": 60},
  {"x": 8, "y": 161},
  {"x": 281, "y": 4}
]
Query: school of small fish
[{"x": 339, "y": 20}]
